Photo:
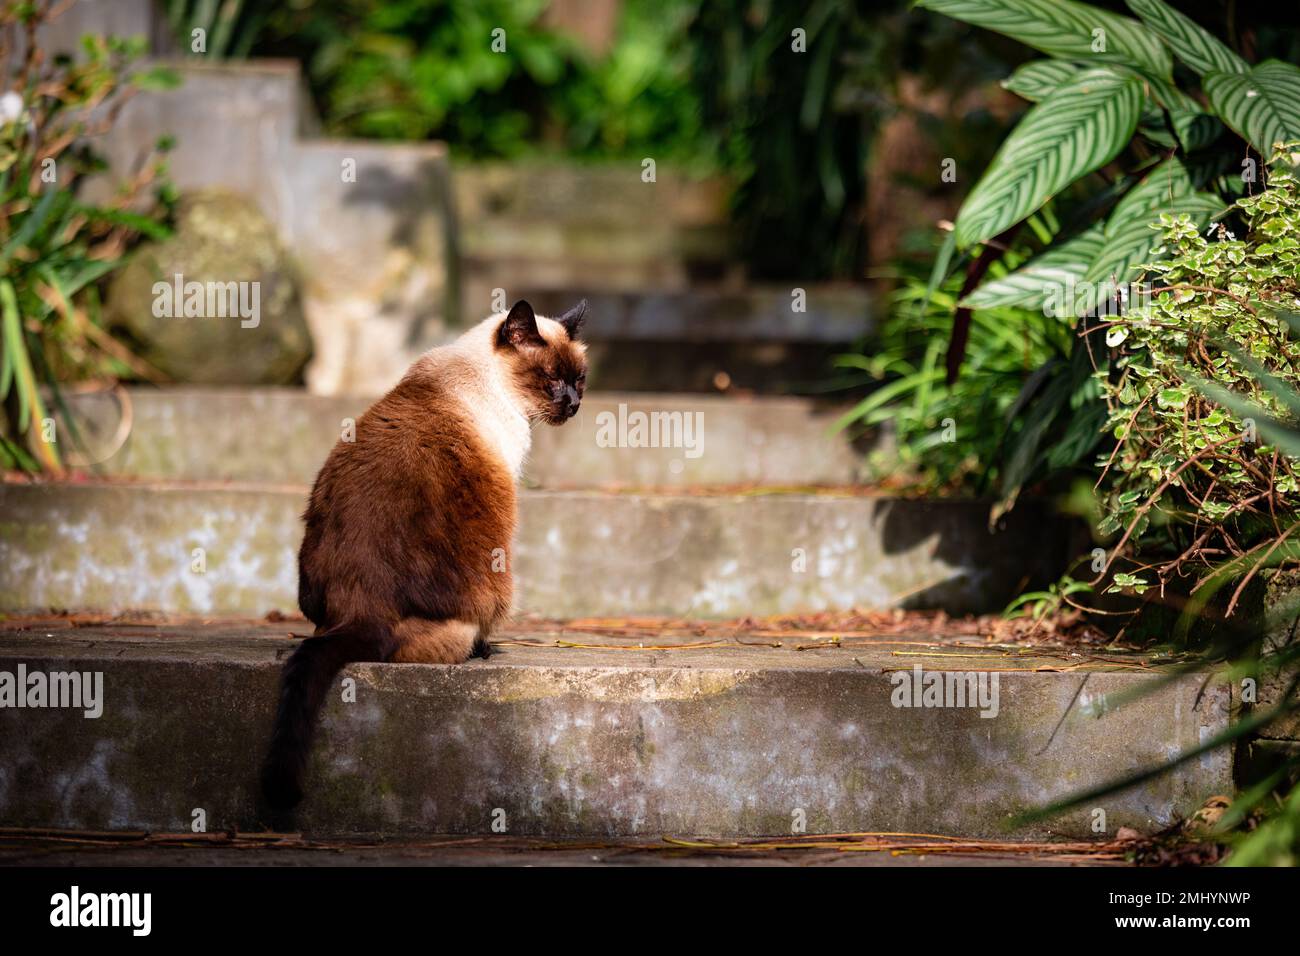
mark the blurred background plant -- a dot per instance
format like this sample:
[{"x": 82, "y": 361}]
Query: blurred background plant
[
  {"x": 54, "y": 248},
  {"x": 215, "y": 29},
  {"x": 787, "y": 92},
  {"x": 808, "y": 139},
  {"x": 421, "y": 69}
]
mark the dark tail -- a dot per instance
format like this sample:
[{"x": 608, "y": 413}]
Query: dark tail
[{"x": 306, "y": 678}]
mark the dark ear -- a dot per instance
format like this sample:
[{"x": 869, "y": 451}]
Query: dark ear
[
  {"x": 574, "y": 318},
  {"x": 520, "y": 327}
]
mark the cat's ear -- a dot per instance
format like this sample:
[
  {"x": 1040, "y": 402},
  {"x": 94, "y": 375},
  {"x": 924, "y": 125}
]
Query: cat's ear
[
  {"x": 520, "y": 327},
  {"x": 574, "y": 319}
]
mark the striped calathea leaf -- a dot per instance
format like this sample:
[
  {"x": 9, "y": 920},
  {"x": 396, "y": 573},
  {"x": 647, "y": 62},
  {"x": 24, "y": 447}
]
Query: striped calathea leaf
[
  {"x": 1030, "y": 285},
  {"x": 1066, "y": 29},
  {"x": 1069, "y": 278},
  {"x": 1191, "y": 43},
  {"x": 1168, "y": 181},
  {"x": 1171, "y": 118},
  {"x": 1261, "y": 104},
  {"x": 1167, "y": 106},
  {"x": 1188, "y": 130},
  {"x": 1038, "y": 78},
  {"x": 1076, "y": 129},
  {"x": 1131, "y": 235}
]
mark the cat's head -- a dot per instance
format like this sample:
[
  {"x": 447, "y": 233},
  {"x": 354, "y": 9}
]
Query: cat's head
[{"x": 545, "y": 361}]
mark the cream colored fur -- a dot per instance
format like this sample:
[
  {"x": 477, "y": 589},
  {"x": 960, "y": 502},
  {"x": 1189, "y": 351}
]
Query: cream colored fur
[{"x": 482, "y": 387}]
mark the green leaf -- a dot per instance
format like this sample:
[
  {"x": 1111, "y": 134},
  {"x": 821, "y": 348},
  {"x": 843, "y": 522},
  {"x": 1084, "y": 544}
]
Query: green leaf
[
  {"x": 1130, "y": 243},
  {"x": 1064, "y": 28},
  {"x": 1270, "y": 429},
  {"x": 1075, "y": 130},
  {"x": 75, "y": 279},
  {"x": 18, "y": 365},
  {"x": 145, "y": 225},
  {"x": 157, "y": 78},
  {"x": 1192, "y": 126},
  {"x": 885, "y": 394},
  {"x": 224, "y": 26},
  {"x": 1130, "y": 238},
  {"x": 1168, "y": 181},
  {"x": 1262, "y": 105},
  {"x": 1195, "y": 129},
  {"x": 1038, "y": 78},
  {"x": 14, "y": 455},
  {"x": 939, "y": 271},
  {"x": 1191, "y": 43},
  {"x": 1025, "y": 449},
  {"x": 1168, "y": 95},
  {"x": 1279, "y": 388},
  {"x": 1028, "y": 286},
  {"x": 31, "y": 224}
]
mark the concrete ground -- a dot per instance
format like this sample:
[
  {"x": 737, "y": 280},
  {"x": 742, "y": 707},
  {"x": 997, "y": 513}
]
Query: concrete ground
[
  {"x": 612, "y": 730},
  {"x": 608, "y": 643}
]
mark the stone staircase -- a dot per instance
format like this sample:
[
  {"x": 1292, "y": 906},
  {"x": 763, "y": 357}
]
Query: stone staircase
[
  {"x": 570, "y": 730},
  {"x": 754, "y": 513}
]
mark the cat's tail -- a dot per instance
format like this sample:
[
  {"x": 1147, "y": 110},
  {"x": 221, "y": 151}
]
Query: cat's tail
[{"x": 306, "y": 678}]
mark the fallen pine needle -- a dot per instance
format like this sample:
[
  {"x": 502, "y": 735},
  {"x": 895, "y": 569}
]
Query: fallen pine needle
[
  {"x": 694, "y": 645},
  {"x": 948, "y": 654}
]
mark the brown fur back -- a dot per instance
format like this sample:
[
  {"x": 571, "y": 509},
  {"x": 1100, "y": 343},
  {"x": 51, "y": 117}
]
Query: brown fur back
[{"x": 413, "y": 519}]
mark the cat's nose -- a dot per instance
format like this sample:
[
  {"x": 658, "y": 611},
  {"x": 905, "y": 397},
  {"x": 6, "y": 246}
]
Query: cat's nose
[{"x": 569, "y": 400}]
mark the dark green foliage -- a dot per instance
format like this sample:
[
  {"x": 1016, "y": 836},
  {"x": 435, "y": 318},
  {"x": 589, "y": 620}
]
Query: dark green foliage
[
  {"x": 55, "y": 248},
  {"x": 420, "y": 69}
]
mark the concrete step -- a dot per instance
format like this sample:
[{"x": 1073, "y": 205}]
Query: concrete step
[
  {"x": 763, "y": 368},
  {"x": 689, "y": 340},
  {"x": 283, "y": 435},
  {"x": 528, "y": 223},
  {"x": 746, "y": 737},
  {"x": 231, "y": 549},
  {"x": 828, "y": 314}
]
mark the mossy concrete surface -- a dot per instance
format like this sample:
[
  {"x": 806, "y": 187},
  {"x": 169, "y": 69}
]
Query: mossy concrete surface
[
  {"x": 599, "y": 741},
  {"x": 247, "y": 328},
  {"x": 284, "y": 434},
  {"x": 219, "y": 549}
]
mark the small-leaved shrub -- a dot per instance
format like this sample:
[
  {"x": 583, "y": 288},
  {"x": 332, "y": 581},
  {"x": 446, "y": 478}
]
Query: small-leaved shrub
[{"x": 1191, "y": 480}]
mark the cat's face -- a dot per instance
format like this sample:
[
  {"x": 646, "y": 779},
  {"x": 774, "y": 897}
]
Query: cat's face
[{"x": 546, "y": 362}]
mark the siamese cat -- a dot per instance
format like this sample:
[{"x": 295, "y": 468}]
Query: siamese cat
[{"x": 409, "y": 526}]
